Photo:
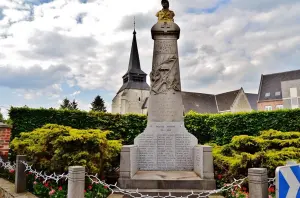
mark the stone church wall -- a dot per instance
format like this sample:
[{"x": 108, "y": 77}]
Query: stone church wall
[{"x": 130, "y": 101}]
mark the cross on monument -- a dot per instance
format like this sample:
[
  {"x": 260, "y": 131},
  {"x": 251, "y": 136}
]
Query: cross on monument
[{"x": 166, "y": 26}]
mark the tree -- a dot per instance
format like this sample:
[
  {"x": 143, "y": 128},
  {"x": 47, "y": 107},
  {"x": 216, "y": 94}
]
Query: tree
[
  {"x": 67, "y": 104},
  {"x": 1, "y": 117},
  {"x": 73, "y": 105},
  {"x": 98, "y": 104}
]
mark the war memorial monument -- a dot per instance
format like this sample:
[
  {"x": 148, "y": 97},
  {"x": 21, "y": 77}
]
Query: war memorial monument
[{"x": 166, "y": 156}]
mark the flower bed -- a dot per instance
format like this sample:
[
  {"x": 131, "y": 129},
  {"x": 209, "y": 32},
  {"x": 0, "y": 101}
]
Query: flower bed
[{"x": 51, "y": 189}]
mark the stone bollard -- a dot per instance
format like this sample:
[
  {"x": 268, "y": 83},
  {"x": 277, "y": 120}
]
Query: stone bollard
[
  {"x": 20, "y": 175},
  {"x": 258, "y": 182},
  {"x": 76, "y": 182}
]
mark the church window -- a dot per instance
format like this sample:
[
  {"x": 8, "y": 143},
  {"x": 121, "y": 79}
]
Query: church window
[
  {"x": 125, "y": 80},
  {"x": 138, "y": 79},
  {"x": 139, "y": 98}
]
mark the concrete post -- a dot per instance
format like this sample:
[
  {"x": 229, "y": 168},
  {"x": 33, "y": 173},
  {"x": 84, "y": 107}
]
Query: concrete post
[
  {"x": 76, "y": 182},
  {"x": 258, "y": 182},
  {"x": 20, "y": 175}
]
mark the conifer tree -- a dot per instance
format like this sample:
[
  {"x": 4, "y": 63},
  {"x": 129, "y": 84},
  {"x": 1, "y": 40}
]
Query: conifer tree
[{"x": 98, "y": 104}]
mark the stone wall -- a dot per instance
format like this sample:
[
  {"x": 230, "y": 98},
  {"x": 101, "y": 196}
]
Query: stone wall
[
  {"x": 5, "y": 132},
  {"x": 130, "y": 101},
  {"x": 7, "y": 191}
]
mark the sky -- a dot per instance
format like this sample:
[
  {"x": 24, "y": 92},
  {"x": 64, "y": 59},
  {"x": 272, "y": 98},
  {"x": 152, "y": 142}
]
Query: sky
[{"x": 53, "y": 49}]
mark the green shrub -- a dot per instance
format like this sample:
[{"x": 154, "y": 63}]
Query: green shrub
[
  {"x": 218, "y": 128},
  {"x": 269, "y": 150},
  {"x": 225, "y": 126},
  {"x": 125, "y": 127},
  {"x": 54, "y": 148}
]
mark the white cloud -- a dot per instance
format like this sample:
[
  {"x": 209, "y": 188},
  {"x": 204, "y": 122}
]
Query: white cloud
[
  {"x": 219, "y": 51},
  {"x": 75, "y": 93}
]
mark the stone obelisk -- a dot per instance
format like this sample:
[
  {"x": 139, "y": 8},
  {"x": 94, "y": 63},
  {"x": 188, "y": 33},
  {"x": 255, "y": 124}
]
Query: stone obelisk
[
  {"x": 165, "y": 144},
  {"x": 166, "y": 155}
]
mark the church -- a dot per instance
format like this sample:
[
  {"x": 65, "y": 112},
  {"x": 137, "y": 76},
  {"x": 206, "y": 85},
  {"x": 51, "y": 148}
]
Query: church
[{"x": 133, "y": 95}]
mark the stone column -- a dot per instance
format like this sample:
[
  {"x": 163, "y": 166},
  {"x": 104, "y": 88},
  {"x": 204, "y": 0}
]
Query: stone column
[
  {"x": 258, "y": 182},
  {"x": 165, "y": 101},
  {"x": 128, "y": 161},
  {"x": 20, "y": 175},
  {"x": 76, "y": 182},
  {"x": 165, "y": 145}
]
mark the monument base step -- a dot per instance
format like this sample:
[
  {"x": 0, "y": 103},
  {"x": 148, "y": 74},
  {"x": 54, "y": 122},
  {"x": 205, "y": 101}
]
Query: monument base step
[
  {"x": 167, "y": 180},
  {"x": 166, "y": 192}
]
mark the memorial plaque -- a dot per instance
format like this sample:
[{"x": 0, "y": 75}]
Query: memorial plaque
[
  {"x": 166, "y": 149},
  {"x": 166, "y": 146},
  {"x": 147, "y": 151}
]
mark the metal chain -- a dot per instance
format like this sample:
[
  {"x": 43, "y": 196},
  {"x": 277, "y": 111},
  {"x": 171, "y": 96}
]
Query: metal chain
[{"x": 115, "y": 189}]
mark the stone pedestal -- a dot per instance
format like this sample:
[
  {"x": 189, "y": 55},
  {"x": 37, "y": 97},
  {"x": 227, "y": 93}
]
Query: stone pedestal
[{"x": 166, "y": 156}]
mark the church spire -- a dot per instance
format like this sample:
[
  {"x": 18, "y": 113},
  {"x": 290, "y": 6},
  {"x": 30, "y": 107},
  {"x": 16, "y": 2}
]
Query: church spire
[
  {"x": 134, "y": 78},
  {"x": 134, "y": 60},
  {"x": 134, "y": 32}
]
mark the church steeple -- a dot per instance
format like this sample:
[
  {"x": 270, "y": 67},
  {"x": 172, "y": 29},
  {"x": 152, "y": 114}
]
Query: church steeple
[{"x": 134, "y": 78}]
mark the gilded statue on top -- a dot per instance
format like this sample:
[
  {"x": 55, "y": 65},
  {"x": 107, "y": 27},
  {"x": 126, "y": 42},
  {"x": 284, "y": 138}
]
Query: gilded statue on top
[{"x": 165, "y": 15}]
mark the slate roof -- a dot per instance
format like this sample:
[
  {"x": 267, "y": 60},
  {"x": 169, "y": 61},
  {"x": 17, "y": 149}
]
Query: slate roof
[
  {"x": 225, "y": 100},
  {"x": 252, "y": 98},
  {"x": 207, "y": 103},
  {"x": 134, "y": 65},
  {"x": 271, "y": 83},
  {"x": 145, "y": 104},
  {"x": 134, "y": 69},
  {"x": 199, "y": 102}
]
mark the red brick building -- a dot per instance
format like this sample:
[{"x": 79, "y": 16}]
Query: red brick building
[
  {"x": 279, "y": 90},
  {"x": 5, "y": 132}
]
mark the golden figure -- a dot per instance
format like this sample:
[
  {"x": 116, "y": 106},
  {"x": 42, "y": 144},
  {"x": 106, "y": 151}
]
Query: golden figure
[{"x": 165, "y": 15}]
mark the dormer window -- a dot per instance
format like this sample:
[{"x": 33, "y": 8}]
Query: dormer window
[
  {"x": 267, "y": 95},
  {"x": 277, "y": 93}
]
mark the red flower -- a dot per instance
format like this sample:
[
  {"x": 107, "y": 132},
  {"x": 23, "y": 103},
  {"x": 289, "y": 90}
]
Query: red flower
[
  {"x": 219, "y": 176},
  {"x": 84, "y": 191},
  {"x": 60, "y": 188},
  {"x": 90, "y": 187},
  {"x": 244, "y": 189},
  {"x": 105, "y": 187},
  {"x": 271, "y": 189},
  {"x": 46, "y": 184},
  {"x": 11, "y": 171}
]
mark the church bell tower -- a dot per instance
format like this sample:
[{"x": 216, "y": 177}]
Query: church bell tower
[{"x": 134, "y": 93}]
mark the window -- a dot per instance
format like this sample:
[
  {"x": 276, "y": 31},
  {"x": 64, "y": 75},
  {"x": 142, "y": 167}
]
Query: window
[
  {"x": 279, "y": 106},
  {"x": 125, "y": 80},
  {"x": 277, "y": 93},
  {"x": 267, "y": 95},
  {"x": 294, "y": 98},
  {"x": 268, "y": 108},
  {"x": 294, "y": 103},
  {"x": 137, "y": 79},
  {"x": 139, "y": 98}
]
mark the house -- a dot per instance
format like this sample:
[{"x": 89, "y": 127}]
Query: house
[
  {"x": 279, "y": 90},
  {"x": 233, "y": 101}
]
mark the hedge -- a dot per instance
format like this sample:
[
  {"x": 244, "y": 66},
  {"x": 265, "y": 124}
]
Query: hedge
[{"x": 218, "y": 128}]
